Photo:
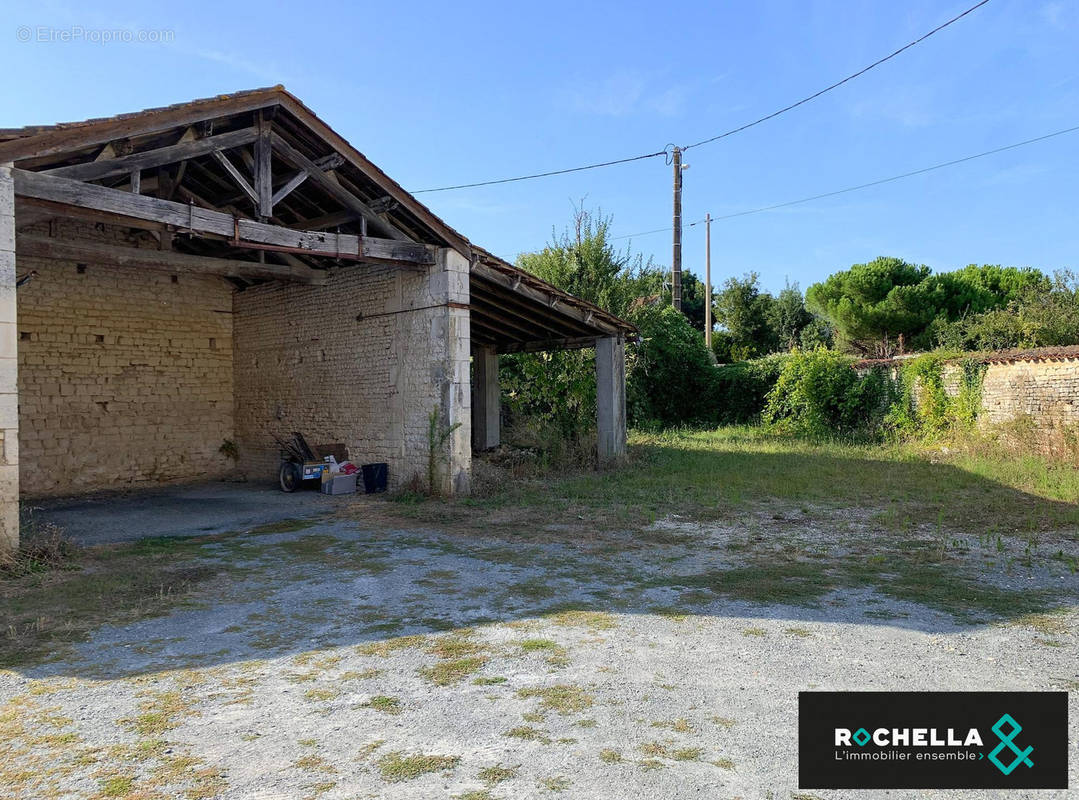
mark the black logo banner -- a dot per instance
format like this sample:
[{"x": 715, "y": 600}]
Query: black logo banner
[{"x": 933, "y": 740}]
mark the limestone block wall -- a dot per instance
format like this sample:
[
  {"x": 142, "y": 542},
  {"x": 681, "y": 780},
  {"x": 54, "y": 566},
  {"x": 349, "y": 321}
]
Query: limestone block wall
[
  {"x": 362, "y": 360},
  {"x": 125, "y": 374},
  {"x": 1046, "y": 391}
]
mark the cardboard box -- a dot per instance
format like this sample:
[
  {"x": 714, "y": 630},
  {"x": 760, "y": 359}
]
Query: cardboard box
[{"x": 340, "y": 484}]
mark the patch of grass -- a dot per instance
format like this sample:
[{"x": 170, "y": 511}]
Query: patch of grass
[
  {"x": 754, "y": 631},
  {"x": 722, "y": 762},
  {"x": 687, "y": 754},
  {"x": 801, "y": 633},
  {"x": 529, "y": 734},
  {"x": 314, "y": 763},
  {"x": 388, "y": 647},
  {"x": 650, "y": 764},
  {"x": 285, "y": 526},
  {"x": 385, "y": 704},
  {"x": 492, "y": 680},
  {"x": 681, "y": 725},
  {"x": 455, "y": 646},
  {"x": 448, "y": 673},
  {"x": 724, "y": 722},
  {"x": 477, "y": 794},
  {"x": 497, "y": 774},
  {"x": 42, "y": 612},
  {"x": 776, "y": 581},
  {"x": 321, "y": 694},
  {"x": 117, "y": 786},
  {"x": 563, "y": 699},
  {"x": 578, "y": 618},
  {"x": 610, "y": 756},
  {"x": 359, "y": 675},
  {"x": 1048, "y": 624},
  {"x": 397, "y": 766},
  {"x": 555, "y": 783}
]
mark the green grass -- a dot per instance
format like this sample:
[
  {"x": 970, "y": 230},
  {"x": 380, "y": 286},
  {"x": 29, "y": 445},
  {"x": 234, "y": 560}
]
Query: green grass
[
  {"x": 397, "y": 766},
  {"x": 709, "y": 474},
  {"x": 562, "y": 699}
]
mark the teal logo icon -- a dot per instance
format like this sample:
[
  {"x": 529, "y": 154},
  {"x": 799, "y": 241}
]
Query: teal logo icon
[
  {"x": 861, "y": 736},
  {"x": 1006, "y": 741}
]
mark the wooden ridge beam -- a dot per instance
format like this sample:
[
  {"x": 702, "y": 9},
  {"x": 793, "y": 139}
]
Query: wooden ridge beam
[
  {"x": 201, "y": 221},
  {"x": 148, "y": 258},
  {"x": 148, "y": 159}
]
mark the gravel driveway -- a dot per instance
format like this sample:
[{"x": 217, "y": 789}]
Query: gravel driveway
[{"x": 341, "y": 660}]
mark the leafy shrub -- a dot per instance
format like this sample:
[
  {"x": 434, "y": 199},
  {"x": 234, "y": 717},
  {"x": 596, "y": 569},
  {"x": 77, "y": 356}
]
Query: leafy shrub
[
  {"x": 819, "y": 394},
  {"x": 739, "y": 390},
  {"x": 921, "y": 403},
  {"x": 670, "y": 374}
]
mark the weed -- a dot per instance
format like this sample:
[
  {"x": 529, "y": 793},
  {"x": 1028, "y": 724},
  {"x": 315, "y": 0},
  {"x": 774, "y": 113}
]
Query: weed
[
  {"x": 609, "y": 756},
  {"x": 397, "y": 766},
  {"x": 528, "y": 734},
  {"x": 555, "y": 783},
  {"x": 385, "y": 704},
  {"x": 497, "y": 774},
  {"x": 563, "y": 699},
  {"x": 447, "y": 673}
]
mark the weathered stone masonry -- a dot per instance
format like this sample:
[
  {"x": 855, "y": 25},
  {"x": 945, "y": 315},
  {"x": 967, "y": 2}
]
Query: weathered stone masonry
[
  {"x": 363, "y": 360},
  {"x": 125, "y": 374}
]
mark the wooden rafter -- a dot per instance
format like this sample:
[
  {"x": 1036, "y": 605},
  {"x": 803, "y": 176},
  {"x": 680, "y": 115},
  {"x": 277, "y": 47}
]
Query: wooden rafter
[{"x": 148, "y": 159}]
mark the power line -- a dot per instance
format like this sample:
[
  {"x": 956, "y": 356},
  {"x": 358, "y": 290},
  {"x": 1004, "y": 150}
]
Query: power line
[
  {"x": 837, "y": 84},
  {"x": 547, "y": 174},
  {"x": 860, "y": 186},
  {"x": 731, "y": 132}
]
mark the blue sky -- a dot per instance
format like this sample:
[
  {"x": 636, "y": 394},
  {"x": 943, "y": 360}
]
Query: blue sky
[{"x": 443, "y": 93}]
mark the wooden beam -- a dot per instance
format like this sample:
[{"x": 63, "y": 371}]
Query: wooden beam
[
  {"x": 521, "y": 288},
  {"x": 334, "y": 189},
  {"x": 264, "y": 168},
  {"x": 550, "y": 344},
  {"x": 198, "y": 221},
  {"x": 146, "y": 258},
  {"x": 234, "y": 173},
  {"x": 287, "y": 188},
  {"x": 148, "y": 159}
]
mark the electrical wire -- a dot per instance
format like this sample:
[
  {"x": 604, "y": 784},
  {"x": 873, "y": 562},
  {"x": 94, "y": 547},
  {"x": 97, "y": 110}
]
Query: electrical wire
[
  {"x": 837, "y": 84},
  {"x": 868, "y": 185},
  {"x": 716, "y": 138}
]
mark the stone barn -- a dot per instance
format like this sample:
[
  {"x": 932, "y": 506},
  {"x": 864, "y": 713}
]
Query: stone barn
[{"x": 182, "y": 284}]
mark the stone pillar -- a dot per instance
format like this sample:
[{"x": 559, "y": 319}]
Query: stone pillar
[
  {"x": 611, "y": 398},
  {"x": 485, "y": 398},
  {"x": 449, "y": 284},
  {"x": 9, "y": 387}
]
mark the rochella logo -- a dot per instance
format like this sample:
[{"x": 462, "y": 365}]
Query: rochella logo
[
  {"x": 907, "y": 737},
  {"x": 934, "y": 737}
]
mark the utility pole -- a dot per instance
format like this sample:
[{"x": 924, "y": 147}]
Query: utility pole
[
  {"x": 708, "y": 281},
  {"x": 676, "y": 255}
]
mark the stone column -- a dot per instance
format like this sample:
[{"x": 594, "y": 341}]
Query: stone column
[
  {"x": 611, "y": 398},
  {"x": 485, "y": 398},
  {"x": 9, "y": 387},
  {"x": 449, "y": 284}
]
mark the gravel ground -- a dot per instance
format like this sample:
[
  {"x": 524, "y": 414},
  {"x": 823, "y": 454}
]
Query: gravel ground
[{"x": 343, "y": 661}]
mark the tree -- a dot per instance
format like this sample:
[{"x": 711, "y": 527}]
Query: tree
[
  {"x": 788, "y": 317},
  {"x": 693, "y": 300},
  {"x": 745, "y": 311},
  {"x": 872, "y": 305}
]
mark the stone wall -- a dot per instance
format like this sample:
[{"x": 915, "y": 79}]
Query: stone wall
[
  {"x": 125, "y": 374},
  {"x": 1046, "y": 391},
  {"x": 362, "y": 360}
]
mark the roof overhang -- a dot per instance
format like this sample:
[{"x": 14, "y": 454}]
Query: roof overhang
[{"x": 254, "y": 186}]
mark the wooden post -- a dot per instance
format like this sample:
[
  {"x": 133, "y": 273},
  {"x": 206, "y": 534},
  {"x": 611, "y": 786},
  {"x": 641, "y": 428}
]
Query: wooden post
[
  {"x": 676, "y": 249},
  {"x": 9, "y": 385},
  {"x": 708, "y": 281},
  {"x": 485, "y": 398},
  {"x": 610, "y": 398}
]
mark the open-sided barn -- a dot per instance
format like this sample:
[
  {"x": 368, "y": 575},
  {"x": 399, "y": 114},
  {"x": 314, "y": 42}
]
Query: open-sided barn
[{"x": 181, "y": 284}]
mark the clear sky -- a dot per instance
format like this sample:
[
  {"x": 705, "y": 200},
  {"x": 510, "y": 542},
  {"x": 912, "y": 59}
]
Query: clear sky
[{"x": 443, "y": 93}]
